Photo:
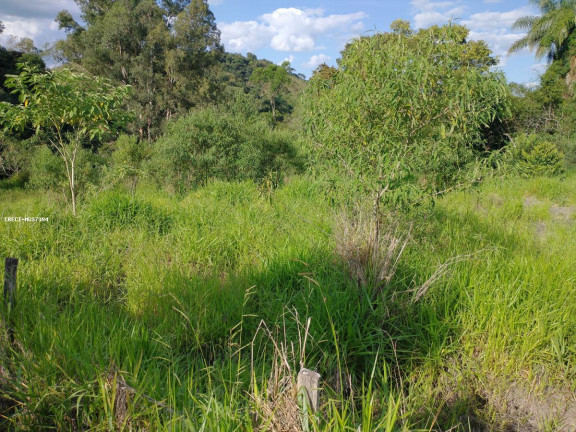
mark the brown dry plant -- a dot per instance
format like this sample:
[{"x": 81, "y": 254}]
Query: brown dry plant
[{"x": 371, "y": 249}]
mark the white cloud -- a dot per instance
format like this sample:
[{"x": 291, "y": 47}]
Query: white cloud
[
  {"x": 244, "y": 35},
  {"x": 288, "y": 29},
  {"x": 289, "y": 59},
  {"x": 496, "y": 29},
  {"x": 496, "y": 20},
  {"x": 40, "y": 30},
  {"x": 428, "y": 13},
  {"x": 34, "y": 19},
  {"x": 316, "y": 60},
  {"x": 36, "y": 9}
]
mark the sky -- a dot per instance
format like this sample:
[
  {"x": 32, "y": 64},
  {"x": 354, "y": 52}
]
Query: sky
[{"x": 310, "y": 32}]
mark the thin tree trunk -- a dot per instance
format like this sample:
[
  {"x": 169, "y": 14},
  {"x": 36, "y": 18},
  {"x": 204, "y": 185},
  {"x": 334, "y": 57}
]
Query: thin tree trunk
[{"x": 72, "y": 185}]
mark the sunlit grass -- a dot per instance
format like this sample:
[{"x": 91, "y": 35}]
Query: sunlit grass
[{"x": 168, "y": 294}]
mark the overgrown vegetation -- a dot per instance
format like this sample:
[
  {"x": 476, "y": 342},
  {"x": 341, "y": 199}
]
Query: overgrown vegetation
[{"x": 402, "y": 224}]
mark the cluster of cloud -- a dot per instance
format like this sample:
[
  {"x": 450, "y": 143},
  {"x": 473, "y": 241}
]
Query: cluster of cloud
[
  {"x": 288, "y": 29},
  {"x": 428, "y": 13},
  {"x": 496, "y": 29},
  {"x": 493, "y": 27},
  {"x": 34, "y": 20},
  {"x": 291, "y": 30}
]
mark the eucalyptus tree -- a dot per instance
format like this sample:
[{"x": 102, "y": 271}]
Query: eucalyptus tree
[
  {"x": 404, "y": 112},
  {"x": 165, "y": 50}
]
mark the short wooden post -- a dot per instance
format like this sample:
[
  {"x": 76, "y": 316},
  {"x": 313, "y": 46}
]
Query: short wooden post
[
  {"x": 10, "y": 268},
  {"x": 309, "y": 385}
]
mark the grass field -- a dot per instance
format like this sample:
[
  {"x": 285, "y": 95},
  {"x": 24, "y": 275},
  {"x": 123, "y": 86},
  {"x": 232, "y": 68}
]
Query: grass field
[{"x": 151, "y": 312}]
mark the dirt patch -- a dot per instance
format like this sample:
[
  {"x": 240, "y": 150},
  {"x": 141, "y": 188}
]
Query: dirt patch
[
  {"x": 526, "y": 411},
  {"x": 531, "y": 201},
  {"x": 541, "y": 230},
  {"x": 475, "y": 402},
  {"x": 563, "y": 214}
]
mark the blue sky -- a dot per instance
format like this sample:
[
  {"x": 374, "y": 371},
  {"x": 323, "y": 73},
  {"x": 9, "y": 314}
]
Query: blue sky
[{"x": 309, "y": 32}]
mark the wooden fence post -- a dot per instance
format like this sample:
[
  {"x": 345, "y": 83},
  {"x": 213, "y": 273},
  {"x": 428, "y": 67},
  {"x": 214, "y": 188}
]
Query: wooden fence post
[
  {"x": 10, "y": 269},
  {"x": 309, "y": 385}
]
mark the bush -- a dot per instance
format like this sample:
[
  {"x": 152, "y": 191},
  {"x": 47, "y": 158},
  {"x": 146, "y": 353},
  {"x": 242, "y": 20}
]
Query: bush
[
  {"x": 47, "y": 170},
  {"x": 15, "y": 156},
  {"x": 116, "y": 209},
  {"x": 567, "y": 145},
  {"x": 530, "y": 155},
  {"x": 127, "y": 158},
  {"x": 215, "y": 144},
  {"x": 406, "y": 112},
  {"x": 266, "y": 151}
]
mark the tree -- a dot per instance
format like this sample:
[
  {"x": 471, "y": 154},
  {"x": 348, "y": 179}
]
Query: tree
[
  {"x": 551, "y": 35},
  {"x": 68, "y": 108},
  {"x": 9, "y": 59},
  {"x": 273, "y": 80},
  {"x": 404, "y": 112},
  {"x": 23, "y": 45},
  {"x": 166, "y": 52}
]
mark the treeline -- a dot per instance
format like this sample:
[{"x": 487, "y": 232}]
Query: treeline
[{"x": 406, "y": 114}]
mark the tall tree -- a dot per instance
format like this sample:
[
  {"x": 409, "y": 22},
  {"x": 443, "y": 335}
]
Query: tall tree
[
  {"x": 273, "y": 80},
  {"x": 551, "y": 35},
  {"x": 164, "y": 51}
]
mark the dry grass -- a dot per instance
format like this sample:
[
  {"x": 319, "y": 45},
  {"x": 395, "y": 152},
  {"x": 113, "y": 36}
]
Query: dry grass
[
  {"x": 276, "y": 407},
  {"x": 371, "y": 248}
]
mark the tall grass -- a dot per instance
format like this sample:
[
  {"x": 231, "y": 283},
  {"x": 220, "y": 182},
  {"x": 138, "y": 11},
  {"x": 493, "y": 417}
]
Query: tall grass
[{"x": 146, "y": 312}]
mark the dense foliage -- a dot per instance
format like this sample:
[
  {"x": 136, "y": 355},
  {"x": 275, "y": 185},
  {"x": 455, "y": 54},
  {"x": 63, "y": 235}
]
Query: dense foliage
[
  {"x": 223, "y": 240},
  {"x": 166, "y": 52},
  {"x": 67, "y": 108},
  {"x": 212, "y": 143},
  {"x": 404, "y": 111}
]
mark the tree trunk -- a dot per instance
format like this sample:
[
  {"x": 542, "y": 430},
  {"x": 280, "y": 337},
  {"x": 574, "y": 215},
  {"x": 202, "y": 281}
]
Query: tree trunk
[
  {"x": 73, "y": 188},
  {"x": 571, "y": 75}
]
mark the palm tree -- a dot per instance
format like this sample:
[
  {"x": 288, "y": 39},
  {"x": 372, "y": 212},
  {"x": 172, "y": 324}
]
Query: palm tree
[{"x": 549, "y": 34}]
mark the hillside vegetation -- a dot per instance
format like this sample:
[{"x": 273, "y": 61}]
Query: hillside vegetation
[{"x": 194, "y": 227}]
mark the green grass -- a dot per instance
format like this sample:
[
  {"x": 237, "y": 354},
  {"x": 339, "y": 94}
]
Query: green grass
[{"x": 170, "y": 295}]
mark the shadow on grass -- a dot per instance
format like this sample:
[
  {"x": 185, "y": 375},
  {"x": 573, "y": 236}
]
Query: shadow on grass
[{"x": 201, "y": 324}]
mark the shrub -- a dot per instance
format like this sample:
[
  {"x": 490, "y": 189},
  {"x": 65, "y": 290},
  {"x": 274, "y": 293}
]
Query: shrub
[
  {"x": 567, "y": 145},
  {"x": 406, "y": 111},
  {"x": 529, "y": 155},
  {"x": 195, "y": 148},
  {"x": 127, "y": 158},
  {"x": 15, "y": 156},
  {"x": 266, "y": 151},
  {"x": 47, "y": 171},
  {"x": 116, "y": 209},
  {"x": 215, "y": 144}
]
